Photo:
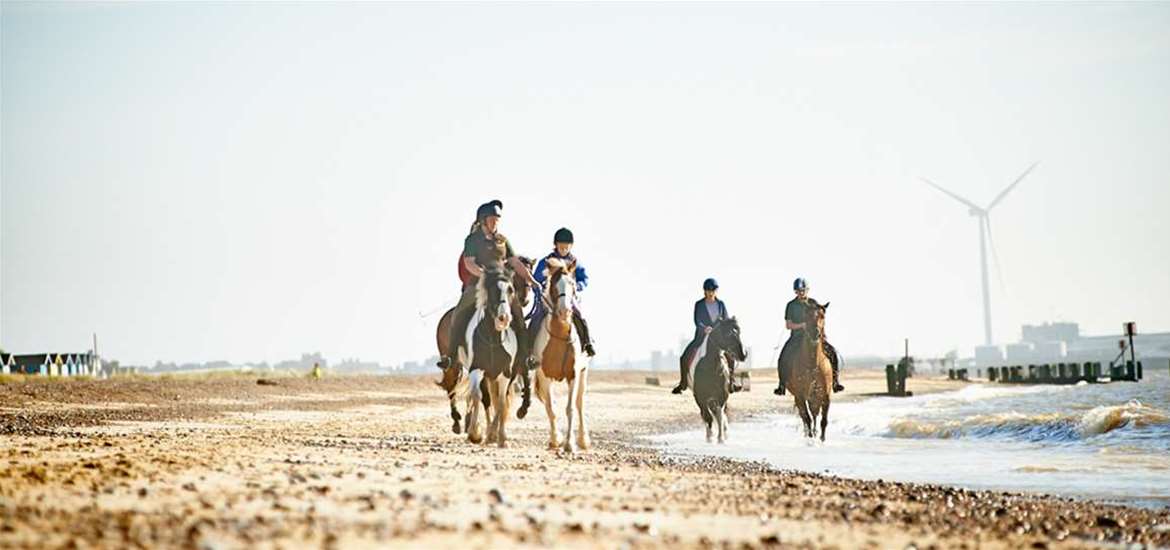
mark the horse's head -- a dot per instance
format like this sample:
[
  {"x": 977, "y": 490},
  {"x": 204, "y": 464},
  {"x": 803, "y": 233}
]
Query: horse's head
[
  {"x": 495, "y": 294},
  {"x": 725, "y": 336},
  {"x": 562, "y": 286},
  {"x": 814, "y": 319}
]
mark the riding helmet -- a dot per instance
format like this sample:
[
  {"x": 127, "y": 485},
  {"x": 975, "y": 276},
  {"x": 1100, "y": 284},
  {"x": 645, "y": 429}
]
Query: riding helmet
[
  {"x": 487, "y": 209},
  {"x": 800, "y": 284},
  {"x": 563, "y": 235},
  {"x": 710, "y": 284}
]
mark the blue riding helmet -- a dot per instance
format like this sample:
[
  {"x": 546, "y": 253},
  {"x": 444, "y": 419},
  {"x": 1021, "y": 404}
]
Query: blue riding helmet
[
  {"x": 710, "y": 284},
  {"x": 800, "y": 284}
]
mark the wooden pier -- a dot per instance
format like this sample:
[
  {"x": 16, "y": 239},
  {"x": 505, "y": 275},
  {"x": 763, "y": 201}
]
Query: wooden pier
[{"x": 1058, "y": 373}]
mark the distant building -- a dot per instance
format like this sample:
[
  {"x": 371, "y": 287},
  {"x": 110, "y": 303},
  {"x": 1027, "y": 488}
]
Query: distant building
[
  {"x": 1051, "y": 332},
  {"x": 52, "y": 364}
]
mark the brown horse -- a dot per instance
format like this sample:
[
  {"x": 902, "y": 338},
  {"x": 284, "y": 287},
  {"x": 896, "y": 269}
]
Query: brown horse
[
  {"x": 556, "y": 352},
  {"x": 453, "y": 377},
  {"x": 810, "y": 376}
]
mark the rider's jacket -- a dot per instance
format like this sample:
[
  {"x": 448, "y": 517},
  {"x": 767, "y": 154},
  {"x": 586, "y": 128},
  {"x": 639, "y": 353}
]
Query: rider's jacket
[
  {"x": 796, "y": 310},
  {"x": 580, "y": 275},
  {"x": 703, "y": 318},
  {"x": 485, "y": 250}
]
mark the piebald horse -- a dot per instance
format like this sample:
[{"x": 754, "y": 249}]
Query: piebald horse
[
  {"x": 556, "y": 352},
  {"x": 810, "y": 377},
  {"x": 491, "y": 354},
  {"x": 454, "y": 380},
  {"x": 712, "y": 375}
]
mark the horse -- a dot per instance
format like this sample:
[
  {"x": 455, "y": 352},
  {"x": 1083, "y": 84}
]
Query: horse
[
  {"x": 491, "y": 354},
  {"x": 556, "y": 353},
  {"x": 453, "y": 381},
  {"x": 810, "y": 374},
  {"x": 712, "y": 375}
]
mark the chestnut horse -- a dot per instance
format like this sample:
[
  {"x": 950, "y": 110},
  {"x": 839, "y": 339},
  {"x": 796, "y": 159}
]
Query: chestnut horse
[
  {"x": 556, "y": 352},
  {"x": 811, "y": 376},
  {"x": 453, "y": 378}
]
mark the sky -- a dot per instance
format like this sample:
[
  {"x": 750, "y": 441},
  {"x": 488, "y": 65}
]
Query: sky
[{"x": 249, "y": 181}]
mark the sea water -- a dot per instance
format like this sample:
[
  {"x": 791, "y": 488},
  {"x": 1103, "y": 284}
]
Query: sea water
[{"x": 1107, "y": 442}]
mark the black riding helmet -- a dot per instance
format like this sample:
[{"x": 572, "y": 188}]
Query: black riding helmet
[
  {"x": 710, "y": 284},
  {"x": 563, "y": 235},
  {"x": 487, "y": 209}
]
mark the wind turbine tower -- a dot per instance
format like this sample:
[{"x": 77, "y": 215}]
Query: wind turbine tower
[{"x": 984, "y": 215}]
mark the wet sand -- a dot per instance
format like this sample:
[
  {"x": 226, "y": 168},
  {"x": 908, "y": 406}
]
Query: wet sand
[{"x": 223, "y": 462}]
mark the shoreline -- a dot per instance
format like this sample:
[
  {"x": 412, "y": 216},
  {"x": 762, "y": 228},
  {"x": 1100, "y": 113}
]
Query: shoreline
[{"x": 364, "y": 461}]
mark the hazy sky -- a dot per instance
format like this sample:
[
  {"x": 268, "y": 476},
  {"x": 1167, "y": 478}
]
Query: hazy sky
[{"x": 199, "y": 181}]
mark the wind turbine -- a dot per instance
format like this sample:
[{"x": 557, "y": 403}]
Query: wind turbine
[{"x": 984, "y": 215}]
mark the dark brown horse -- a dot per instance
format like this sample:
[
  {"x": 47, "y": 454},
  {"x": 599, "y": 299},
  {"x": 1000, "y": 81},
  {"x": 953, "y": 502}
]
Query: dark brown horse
[
  {"x": 453, "y": 377},
  {"x": 811, "y": 376}
]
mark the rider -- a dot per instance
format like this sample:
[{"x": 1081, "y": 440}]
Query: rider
[
  {"x": 562, "y": 250},
  {"x": 794, "y": 320},
  {"x": 708, "y": 311},
  {"x": 484, "y": 245}
]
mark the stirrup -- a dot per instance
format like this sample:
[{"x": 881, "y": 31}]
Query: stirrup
[{"x": 444, "y": 362}]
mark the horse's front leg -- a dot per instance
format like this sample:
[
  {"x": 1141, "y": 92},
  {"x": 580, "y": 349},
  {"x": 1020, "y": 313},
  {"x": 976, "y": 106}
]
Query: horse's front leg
[
  {"x": 723, "y": 423},
  {"x": 570, "y": 447},
  {"x": 824, "y": 419},
  {"x": 582, "y": 430},
  {"x": 544, "y": 393},
  {"x": 505, "y": 403},
  {"x": 455, "y": 418},
  {"x": 494, "y": 410}
]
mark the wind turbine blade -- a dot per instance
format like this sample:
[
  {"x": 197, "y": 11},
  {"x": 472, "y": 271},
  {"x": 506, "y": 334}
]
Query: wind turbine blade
[
  {"x": 994, "y": 255},
  {"x": 952, "y": 195},
  {"x": 1004, "y": 193}
]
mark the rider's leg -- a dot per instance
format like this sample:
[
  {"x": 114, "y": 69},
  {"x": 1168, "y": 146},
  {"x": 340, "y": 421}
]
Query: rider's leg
[
  {"x": 535, "y": 325},
  {"x": 831, "y": 353},
  {"x": 520, "y": 362},
  {"x": 782, "y": 364},
  {"x": 459, "y": 319},
  {"x": 583, "y": 332},
  {"x": 684, "y": 366}
]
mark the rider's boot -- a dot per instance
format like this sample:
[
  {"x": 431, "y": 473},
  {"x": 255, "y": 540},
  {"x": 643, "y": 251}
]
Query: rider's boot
[
  {"x": 837, "y": 387},
  {"x": 583, "y": 332},
  {"x": 682, "y": 378},
  {"x": 779, "y": 387}
]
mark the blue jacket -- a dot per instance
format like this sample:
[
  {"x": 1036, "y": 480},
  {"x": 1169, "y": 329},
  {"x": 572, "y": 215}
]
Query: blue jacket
[
  {"x": 580, "y": 275},
  {"x": 702, "y": 319}
]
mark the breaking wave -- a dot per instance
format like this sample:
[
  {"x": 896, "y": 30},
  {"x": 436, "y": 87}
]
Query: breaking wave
[{"x": 1051, "y": 427}]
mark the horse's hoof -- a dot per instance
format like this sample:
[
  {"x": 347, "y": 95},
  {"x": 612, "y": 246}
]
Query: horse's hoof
[
  {"x": 455, "y": 427},
  {"x": 474, "y": 438},
  {"x": 554, "y": 445},
  {"x": 522, "y": 412},
  {"x": 584, "y": 444},
  {"x": 503, "y": 444}
]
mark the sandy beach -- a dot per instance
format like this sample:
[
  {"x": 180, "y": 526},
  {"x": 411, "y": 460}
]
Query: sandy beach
[{"x": 353, "y": 462}]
